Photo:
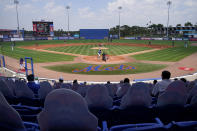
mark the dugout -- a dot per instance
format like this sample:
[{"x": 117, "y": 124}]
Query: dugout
[{"x": 94, "y": 33}]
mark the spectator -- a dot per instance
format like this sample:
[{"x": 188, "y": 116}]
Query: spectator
[
  {"x": 175, "y": 79},
  {"x": 21, "y": 63},
  {"x": 65, "y": 110},
  {"x": 124, "y": 88},
  {"x": 154, "y": 82},
  {"x": 126, "y": 80},
  {"x": 32, "y": 85},
  {"x": 161, "y": 86},
  {"x": 184, "y": 80},
  {"x": 57, "y": 85},
  {"x": 75, "y": 85}
]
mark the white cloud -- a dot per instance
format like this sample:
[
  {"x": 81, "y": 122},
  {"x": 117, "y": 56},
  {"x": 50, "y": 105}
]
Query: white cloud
[
  {"x": 134, "y": 12},
  {"x": 9, "y": 7},
  {"x": 86, "y": 13}
]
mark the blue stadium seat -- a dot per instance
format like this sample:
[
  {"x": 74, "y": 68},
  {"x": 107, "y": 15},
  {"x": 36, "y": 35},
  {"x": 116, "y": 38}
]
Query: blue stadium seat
[
  {"x": 6, "y": 127},
  {"x": 29, "y": 126},
  {"x": 191, "y": 113},
  {"x": 102, "y": 114},
  {"x": 133, "y": 114},
  {"x": 184, "y": 126},
  {"x": 138, "y": 127},
  {"x": 30, "y": 102},
  {"x": 170, "y": 113}
]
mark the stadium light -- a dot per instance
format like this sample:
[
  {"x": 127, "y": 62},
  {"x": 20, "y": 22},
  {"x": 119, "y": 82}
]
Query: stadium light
[
  {"x": 168, "y": 3},
  {"x": 119, "y": 8},
  {"x": 67, "y": 8},
  {"x": 17, "y": 2}
]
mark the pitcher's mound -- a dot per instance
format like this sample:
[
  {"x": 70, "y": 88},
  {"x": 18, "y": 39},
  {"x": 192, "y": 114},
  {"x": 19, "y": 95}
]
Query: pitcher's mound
[{"x": 99, "y": 48}]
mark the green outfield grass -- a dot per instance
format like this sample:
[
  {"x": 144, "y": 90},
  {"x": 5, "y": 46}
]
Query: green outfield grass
[
  {"x": 5, "y": 49},
  {"x": 86, "y": 49},
  {"x": 44, "y": 42},
  {"x": 38, "y": 57},
  {"x": 169, "y": 54},
  {"x": 139, "y": 68}
]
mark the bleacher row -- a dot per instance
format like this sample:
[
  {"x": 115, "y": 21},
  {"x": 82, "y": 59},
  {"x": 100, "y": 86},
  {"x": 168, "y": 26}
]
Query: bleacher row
[{"x": 114, "y": 107}]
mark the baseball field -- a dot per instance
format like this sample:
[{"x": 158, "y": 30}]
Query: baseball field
[{"x": 80, "y": 56}]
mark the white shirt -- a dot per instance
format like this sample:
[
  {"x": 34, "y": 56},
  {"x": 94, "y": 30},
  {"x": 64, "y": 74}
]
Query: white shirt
[{"x": 161, "y": 86}]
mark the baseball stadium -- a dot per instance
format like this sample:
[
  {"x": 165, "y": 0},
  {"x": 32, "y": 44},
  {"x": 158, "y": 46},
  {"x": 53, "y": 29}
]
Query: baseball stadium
[{"x": 124, "y": 77}]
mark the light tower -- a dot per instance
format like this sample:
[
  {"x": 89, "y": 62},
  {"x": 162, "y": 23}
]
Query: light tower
[
  {"x": 17, "y": 2},
  {"x": 168, "y": 3},
  {"x": 67, "y": 8},
  {"x": 119, "y": 8}
]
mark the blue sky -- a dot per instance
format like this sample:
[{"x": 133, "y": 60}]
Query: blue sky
[{"x": 96, "y": 13}]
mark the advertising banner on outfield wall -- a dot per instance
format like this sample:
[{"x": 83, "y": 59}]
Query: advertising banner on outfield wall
[
  {"x": 138, "y": 38},
  {"x": 157, "y": 38},
  {"x": 5, "y": 36},
  {"x": 50, "y": 38},
  {"x": 17, "y": 39},
  {"x": 55, "y": 38},
  {"x": 63, "y": 38},
  {"x": 6, "y": 39},
  {"x": 1, "y": 36},
  {"x": 28, "y": 39},
  {"x": 193, "y": 39},
  {"x": 130, "y": 38},
  {"x": 145, "y": 38},
  {"x": 178, "y": 39},
  {"x": 41, "y": 38},
  {"x": 185, "y": 38}
]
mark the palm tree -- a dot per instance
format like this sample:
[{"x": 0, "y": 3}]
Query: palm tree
[
  {"x": 188, "y": 24},
  {"x": 178, "y": 25}
]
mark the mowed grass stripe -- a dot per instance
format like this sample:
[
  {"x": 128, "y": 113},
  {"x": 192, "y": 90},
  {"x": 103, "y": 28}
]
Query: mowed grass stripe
[
  {"x": 170, "y": 54},
  {"x": 38, "y": 57},
  {"x": 87, "y": 49}
]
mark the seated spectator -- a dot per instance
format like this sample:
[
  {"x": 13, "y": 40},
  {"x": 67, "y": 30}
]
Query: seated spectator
[
  {"x": 124, "y": 88},
  {"x": 98, "y": 96},
  {"x": 137, "y": 95},
  {"x": 154, "y": 82},
  {"x": 32, "y": 85},
  {"x": 175, "y": 94},
  {"x": 64, "y": 110},
  {"x": 75, "y": 85},
  {"x": 161, "y": 86},
  {"x": 184, "y": 80},
  {"x": 57, "y": 85},
  {"x": 9, "y": 117}
]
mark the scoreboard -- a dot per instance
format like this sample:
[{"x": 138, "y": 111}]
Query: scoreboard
[{"x": 43, "y": 28}]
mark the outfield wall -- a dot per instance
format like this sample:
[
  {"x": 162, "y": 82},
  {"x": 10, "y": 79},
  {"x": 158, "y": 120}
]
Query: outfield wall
[
  {"x": 94, "y": 33},
  {"x": 72, "y": 38}
]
